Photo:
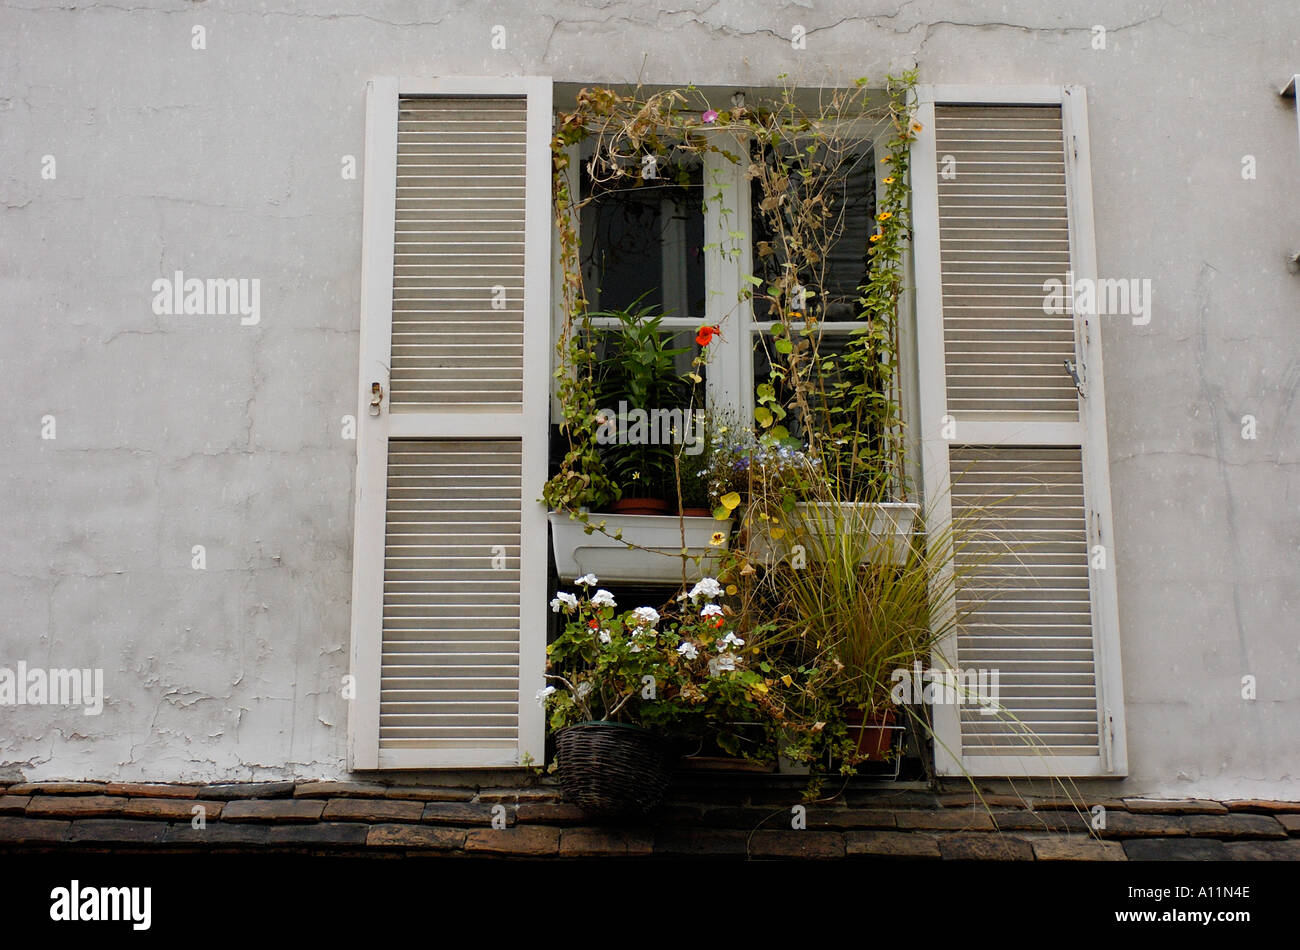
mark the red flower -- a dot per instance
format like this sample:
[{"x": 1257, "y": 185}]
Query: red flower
[
  {"x": 704, "y": 336},
  {"x": 593, "y": 624}
]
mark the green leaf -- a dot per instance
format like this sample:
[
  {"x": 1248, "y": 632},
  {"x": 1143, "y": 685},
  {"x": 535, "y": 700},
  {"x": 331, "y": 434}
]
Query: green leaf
[
  {"x": 784, "y": 346},
  {"x": 763, "y": 416}
]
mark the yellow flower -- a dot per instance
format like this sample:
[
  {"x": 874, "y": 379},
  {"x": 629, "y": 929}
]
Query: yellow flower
[
  {"x": 876, "y": 237},
  {"x": 719, "y": 537},
  {"x": 916, "y": 126},
  {"x": 889, "y": 180},
  {"x": 884, "y": 216}
]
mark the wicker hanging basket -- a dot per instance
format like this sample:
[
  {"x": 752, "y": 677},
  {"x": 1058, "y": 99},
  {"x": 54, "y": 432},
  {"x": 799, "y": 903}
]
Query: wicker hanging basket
[{"x": 612, "y": 770}]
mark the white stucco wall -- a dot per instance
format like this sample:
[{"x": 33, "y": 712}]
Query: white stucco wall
[{"x": 177, "y": 431}]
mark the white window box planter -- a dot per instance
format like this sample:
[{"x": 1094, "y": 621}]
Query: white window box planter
[
  {"x": 578, "y": 553},
  {"x": 812, "y": 524}
]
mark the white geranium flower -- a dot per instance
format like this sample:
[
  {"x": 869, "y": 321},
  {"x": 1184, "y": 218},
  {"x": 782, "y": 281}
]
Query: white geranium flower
[
  {"x": 730, "y": 640},
  {"x": 688, "y": 650},
  {"x": 564, "y": 601},
  {"x": 604, "y": 636},
  {"x": 724, "y": 663},
  {"x": 582, "y": 690},
  {"x": 706, "y": 588},
  {"x": 711, "y": 610},
  {"x": 588, "y": 580},
  {"x": 646, "y": 616},
  {"x": 543, "y": 694},
  {"x": 603, "y": 598}
]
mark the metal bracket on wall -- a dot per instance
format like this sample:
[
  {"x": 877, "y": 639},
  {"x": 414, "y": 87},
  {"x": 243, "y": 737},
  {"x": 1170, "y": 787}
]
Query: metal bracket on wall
[{"x": 1292, "y": 91}]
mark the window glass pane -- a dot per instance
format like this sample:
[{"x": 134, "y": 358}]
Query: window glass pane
[
  {"x": 845, "y": 178},
  {"x": 642, "y": 239}
]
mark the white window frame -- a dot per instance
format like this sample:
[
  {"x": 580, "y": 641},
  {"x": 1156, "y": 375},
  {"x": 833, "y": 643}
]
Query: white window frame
[{"x": 730, "y": 380}]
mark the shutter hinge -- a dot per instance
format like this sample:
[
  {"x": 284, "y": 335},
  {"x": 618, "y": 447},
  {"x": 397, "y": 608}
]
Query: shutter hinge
[
  {"x": 1073, "y": 370},
  {"x": 1074, "y": 140}
]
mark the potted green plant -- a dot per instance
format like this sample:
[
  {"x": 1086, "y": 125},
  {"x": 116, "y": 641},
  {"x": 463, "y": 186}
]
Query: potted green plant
[
  {"x": 865, "y": 621},
  {"x": 644, "y": 404},
  {"x": 626, "y": 686}
]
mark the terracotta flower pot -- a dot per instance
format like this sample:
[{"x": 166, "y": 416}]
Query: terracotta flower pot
[
  {"x": 874, "y": 735},
  {"x": 697, "y": 513},
  {"x": 640, "y": 506}
]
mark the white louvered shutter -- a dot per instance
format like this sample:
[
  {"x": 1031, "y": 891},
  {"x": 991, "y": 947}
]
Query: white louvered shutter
[
  {"x": 449, "y": 559},
  {"x": 1002, "y": 205}
]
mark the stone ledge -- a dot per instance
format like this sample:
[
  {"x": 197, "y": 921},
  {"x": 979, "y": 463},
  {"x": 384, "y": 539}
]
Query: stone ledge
[
  {"x": 1188, "y": 806},
  {"x": 890, "y": 844},
  {"x": 1174, "y": 849},
  {"x": 14, "y": 804},
  {"x": 1263, "y": 807},
  {"x": 797, "y": 844},
  {"x": 532, "y": 841},
  {"x": 416, "y": 837},
  {"x": 454, "y": 813},
  {"x": 286, "y": 810},
  {"x": 371, "y": 810},
  {"x": 71, "y": 806},
  {"x": 605, "y": 843},
  {"x": 314, "y": 817},
  {"x": 1076, "y": 848},
  {"x": 981, "y": 847},
  {"x": 230, "y": 791}
]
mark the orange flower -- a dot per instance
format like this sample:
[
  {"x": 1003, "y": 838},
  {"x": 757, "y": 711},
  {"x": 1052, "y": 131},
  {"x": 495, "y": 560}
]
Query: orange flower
[
  {"x": 884, "y": 216},
  {"x": 704, "y": 336},
  {"x": 876, "y": 237},
  {"x": 916, "y": 126}
]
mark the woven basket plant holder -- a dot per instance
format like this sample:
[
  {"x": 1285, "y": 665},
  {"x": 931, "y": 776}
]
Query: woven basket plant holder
[{"x": 612, "y": 770}]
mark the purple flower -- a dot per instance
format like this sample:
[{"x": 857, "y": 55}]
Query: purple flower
[{"x": 710, "y": 115}]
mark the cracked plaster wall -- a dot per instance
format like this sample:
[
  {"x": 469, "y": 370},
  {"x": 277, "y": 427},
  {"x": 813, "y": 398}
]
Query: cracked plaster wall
[{"x": 177, "y": 431}]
